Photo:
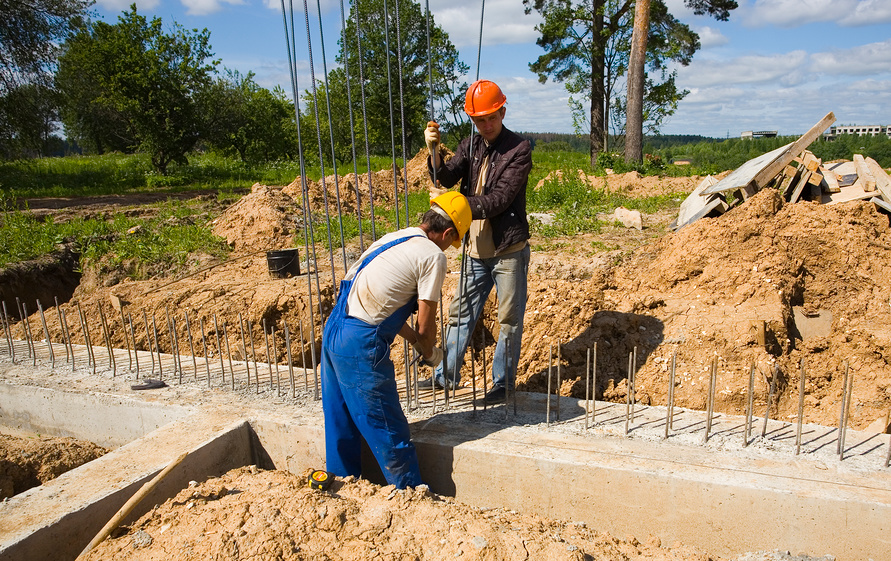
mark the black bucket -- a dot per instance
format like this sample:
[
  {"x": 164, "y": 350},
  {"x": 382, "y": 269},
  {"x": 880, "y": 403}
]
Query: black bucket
[{"x": 283, "y": 263}]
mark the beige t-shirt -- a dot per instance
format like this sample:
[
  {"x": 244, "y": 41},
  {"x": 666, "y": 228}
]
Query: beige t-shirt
[{"x": 412, "y": 269}]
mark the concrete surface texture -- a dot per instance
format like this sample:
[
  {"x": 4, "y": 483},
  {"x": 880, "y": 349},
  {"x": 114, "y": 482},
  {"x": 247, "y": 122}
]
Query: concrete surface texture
[{"x": 711, "y": 493}]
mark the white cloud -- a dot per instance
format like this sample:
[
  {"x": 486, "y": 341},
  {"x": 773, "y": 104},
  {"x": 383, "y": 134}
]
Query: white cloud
[
  {"x": 504, "y": 22},
  {"x": 710, "y": 37},
  {"x": 795, "y": 13},
  {"x": 206, "y": 7},
  {"x": 874, "y": 58},
  {"x": 750, "y": 69},
  {"x": 121, "y": 5}
]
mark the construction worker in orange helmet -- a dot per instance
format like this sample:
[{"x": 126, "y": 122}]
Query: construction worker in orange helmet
[{"x": 492, "y": 170}]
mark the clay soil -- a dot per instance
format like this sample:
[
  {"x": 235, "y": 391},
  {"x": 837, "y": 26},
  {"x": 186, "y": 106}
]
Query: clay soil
[
  {"x": 27, "y": 462},
  {"x": 251, "y": 514}
]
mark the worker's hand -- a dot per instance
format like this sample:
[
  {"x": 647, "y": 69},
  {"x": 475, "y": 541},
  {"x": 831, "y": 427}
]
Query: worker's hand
[
  {"x": 431, "y": 135},
  {"x": 435, "y": 357},
  {"x": 436, "y": 190}
]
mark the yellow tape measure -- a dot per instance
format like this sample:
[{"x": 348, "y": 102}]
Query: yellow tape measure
[{"x": 320, "y": 479}]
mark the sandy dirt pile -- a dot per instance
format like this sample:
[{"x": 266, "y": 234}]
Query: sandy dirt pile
[
  {"x": 630, "y": 184},
  {"x": 251, "y": 514},
  {"x": 29, "y": 462}
]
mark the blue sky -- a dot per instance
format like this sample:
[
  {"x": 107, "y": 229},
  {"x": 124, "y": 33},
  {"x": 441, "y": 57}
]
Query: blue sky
[{"x": 776, "y": 65}]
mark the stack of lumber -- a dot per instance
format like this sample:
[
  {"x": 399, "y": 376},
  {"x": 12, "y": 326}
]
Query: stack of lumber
[{"x": 797, "y": 173}]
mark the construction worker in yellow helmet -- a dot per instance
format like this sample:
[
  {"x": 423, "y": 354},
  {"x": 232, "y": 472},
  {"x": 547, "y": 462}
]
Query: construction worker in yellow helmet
[
  {"x": 401, "y": 272},
  {"x": 492, "y": 170}
]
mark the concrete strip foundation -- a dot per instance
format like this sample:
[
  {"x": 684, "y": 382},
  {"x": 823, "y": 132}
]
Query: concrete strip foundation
[{"x": 721, "y": 498}]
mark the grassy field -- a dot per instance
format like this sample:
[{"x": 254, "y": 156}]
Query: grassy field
[{"x": 179, "y": 229}]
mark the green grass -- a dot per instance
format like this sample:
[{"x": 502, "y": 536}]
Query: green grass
[{"x": 164, "y": 242}]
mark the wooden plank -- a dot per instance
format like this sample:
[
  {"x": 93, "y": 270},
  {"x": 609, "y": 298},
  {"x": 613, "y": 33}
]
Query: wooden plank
[
  {"x": 799, "y": 187},
  {"x": 830, "y": 179},
  {"x": 695, "y": 202},
  {"x": 849, "y": 193},
  {"x": 759, "y": 171},
  {"x": 864, "y": 174},
  {"x": 883, "y": 182},
  {"x": 810, "y": 161},
  {"x": 882, "y": 204},
  {"x": 715, "y": 202}
]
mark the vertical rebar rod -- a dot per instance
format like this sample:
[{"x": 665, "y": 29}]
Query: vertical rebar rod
[
  {"x": 106, "y": 335},
  {"x": 23, "y": 314},
  {"x": 770, "y": 393},
  {"x": 841, "y": 414},
  {"x": 801, "y": 381},
  {"x": 302, "y": 359},
  {"x": 268, "y": 359},
  {"x": 247, "y": 364},
  {"x": 49, "y": 342},
  {"x": 587, "y": 388},
  {"x": 507, "y": 381},
  {"x": 485, "y": 376},
  {"x": 629, "y": 386},
  {"x": 204, "y": 348},
  {"x": 512, "y": 368},
  {"x": 32, "y": 350},
  {"x": 59, "y": 316},
  {"x": 594, "y": 385},
  {"x": 133, "y": 336},
  {"x": 633, "y": 378},
  {"x": 710, "y": 399},
  {"x": 126, "y": 338},
  {"x": 171, "y": 331},
  {"x": 157, "y": 346},
  {"x": 550, "y": 369},
  {"x": 191, "y": 345},
  {"x": 472, "y": 374},
  {"x": 407, "y": 367},
  {"x": 750, "y": 405},
  {"x": 669, "y": 409},
  {"x": 278, "y": 377},
  {"x": 91, "y": 359},
  {"x": 177, "y": 355},
  {"x": 148, "y": 340},
  {"x": 559, "y": 376},
  {"x": 8, "y": 333},
  {"x": 216, "y": 332},
  {"x": 254, "y": 356},
  {"x": 67, "y": 334},
  {"x": 847, "y": 416},
  {"x": 291, "y": 362},
  {"x": 229, "y": 355}
]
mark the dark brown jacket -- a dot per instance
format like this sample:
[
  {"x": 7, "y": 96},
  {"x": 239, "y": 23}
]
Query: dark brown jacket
[{"x": 503, "y": 200}]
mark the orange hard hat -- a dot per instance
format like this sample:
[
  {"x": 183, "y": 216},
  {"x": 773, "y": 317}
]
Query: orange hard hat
[{"x": 483, "y": 97}]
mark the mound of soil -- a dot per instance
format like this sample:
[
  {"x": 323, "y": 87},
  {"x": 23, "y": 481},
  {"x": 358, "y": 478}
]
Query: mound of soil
[
  {"x": 29, "y": 462},
  {"x": 251, "y": 514}
]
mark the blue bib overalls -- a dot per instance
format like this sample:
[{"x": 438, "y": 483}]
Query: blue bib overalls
[{"x": 359, "y": 394}]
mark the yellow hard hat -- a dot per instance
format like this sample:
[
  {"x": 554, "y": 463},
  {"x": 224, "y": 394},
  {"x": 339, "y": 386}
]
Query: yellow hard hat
[
  {"x": 483, "y": 97},
  {"x": 458, "y": 208}
]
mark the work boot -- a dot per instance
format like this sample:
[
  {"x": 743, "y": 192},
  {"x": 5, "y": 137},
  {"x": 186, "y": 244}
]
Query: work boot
[
  {"x": 428, "y": 384},
  {"x": 495, "y": 396}
]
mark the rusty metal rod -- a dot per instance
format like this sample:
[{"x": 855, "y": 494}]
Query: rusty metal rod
[
  {"x": 669, "y": 408},
  {"x": 629, "y": 388},
  {"x": 594, "y": 385},
  {"x": 173, "y": 350},
  {"x": 105, "y": 333},
  {"x": 247, "y": 364},
  {"x": 8, "y": 333},
  {"x": 148, "y": 340},
  {"x": 49, "y": 342},
  {"x": 278, "y": 378},
  {"x": 216, "y": 331},
  {"x": 32, "y": 350},
  {"x": 229, "y": 355},
  {"x": 472, "y": 374},
  {"x": 191, "y": 345},
  {"x": 633, "y": 379},
  {"x": 587, "y": 388},
  {"x": 23, "y": 314},
  {"x": 133, "y": 336},
  {"x": 268, "y": 359},
  {"x": 507, "y": 380},
  {"x": 91, "y": 360},
  {"x": 550, "y": 370},
  {"x": 844, "y": 432},
  {"x": 290, "y": 362},
  {"x": 559, "y": 376},
  {"x": 59, "y": 317},
  {"x": 710, "y": 400},
  {"x": 801, "y": 381},
  {"x": 485, "y": 380},
  {"x": 750, "y": 403},
  {"x": 841, "y": 415},
  {"x": 67, "y": 334},
  {"x": 770, "y": 394},
  {"x": 204, "y": 348},
  {"x": 126, "y": 338},
  {"x": 157, "y": 346},
  {"x": 177, "y": 356},
  {"x": 254, "y": 356}
]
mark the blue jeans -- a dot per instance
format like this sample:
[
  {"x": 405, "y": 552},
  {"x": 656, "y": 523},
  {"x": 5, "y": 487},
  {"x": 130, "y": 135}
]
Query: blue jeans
[{"x": 507, "y": 273}]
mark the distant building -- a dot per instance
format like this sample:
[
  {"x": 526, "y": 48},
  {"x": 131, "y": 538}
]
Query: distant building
[
  {"x": 749, "y": 135},
  {"x": 860, "y": 130}
]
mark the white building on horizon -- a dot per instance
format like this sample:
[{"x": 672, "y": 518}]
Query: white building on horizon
[{"x": 860, "y": 130}]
